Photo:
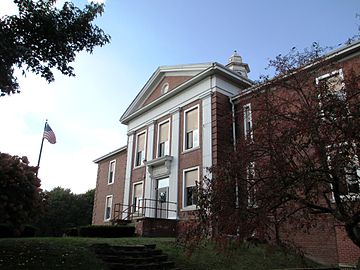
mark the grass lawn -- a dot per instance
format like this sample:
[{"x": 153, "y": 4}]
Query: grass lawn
[{"x": 73, "y": 253}]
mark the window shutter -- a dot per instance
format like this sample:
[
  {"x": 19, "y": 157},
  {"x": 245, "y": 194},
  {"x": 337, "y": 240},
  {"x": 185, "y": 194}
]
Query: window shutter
[
  {"x": 141, "y": 142},
  {"x": 138, "y": 191},
  {"x": 191, "y": 177},
  {"x": 164, "y": 132},
  {"x": 192, "y": 120}
]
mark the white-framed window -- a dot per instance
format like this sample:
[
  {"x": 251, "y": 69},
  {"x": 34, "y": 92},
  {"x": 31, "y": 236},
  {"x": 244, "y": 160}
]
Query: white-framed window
[
  {"x": 140, "y": 149},
  {"x": 137, "y": 196},
  {"x": 163, "y": 145},
  {"x": 332, "y": 94},
  {"x": 108, "y": 207},
  {"x": 191, "y": 128},
  {"x": 251, "y": 185},
  {"x": 190, "y": 177},
  {"x": 347, "y": 168},
  {"x": 111, "y": 174},
  {"x": 248, "y": 132}
]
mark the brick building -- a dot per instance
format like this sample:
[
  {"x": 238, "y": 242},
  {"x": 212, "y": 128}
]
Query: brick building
[{"x": 178, "y": 127}]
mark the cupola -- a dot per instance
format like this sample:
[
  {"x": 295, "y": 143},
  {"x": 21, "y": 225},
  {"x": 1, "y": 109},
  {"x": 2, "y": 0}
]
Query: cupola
[{"x": 236, "y": 64}]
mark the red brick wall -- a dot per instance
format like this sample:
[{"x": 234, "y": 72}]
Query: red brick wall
[
  {"x": 103, "y": 189},
  {"x": 173, "y": 82},
  {"x": 221, "y": 126},
  {"x": 348, "y": 252}
]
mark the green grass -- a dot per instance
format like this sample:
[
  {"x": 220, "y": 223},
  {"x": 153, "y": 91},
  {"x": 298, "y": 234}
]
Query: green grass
[{"x": 74, "y": 253}]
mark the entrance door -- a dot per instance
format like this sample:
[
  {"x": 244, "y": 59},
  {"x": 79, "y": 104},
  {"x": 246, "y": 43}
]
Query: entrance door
[{"x": 162, "y": 196}]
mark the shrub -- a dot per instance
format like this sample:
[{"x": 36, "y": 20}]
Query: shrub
[
  {"x": 6, "y": 231},
  {"x": 29, "y": 231},
  {"x": 72, "y": 231},
  {"x": 106, "y": 231}
]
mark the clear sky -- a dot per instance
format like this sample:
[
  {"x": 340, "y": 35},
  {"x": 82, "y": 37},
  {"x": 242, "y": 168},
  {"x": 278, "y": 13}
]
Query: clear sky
[{"x": 84, "y": 111}]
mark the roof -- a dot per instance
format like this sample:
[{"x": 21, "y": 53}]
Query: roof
[
  {"x": 112, "y": 153},
  {"x": 199, "y": 71},
  {"x": 334, "y": 55}
]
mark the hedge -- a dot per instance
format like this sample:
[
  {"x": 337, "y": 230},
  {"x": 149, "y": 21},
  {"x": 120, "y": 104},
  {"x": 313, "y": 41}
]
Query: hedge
[{"x": 106, "y": 231}]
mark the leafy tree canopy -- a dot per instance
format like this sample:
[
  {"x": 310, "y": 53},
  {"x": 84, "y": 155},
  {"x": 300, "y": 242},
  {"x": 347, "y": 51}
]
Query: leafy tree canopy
[
  {"x": 20, "y": 193},
  {"x": 42, "y": 37}
]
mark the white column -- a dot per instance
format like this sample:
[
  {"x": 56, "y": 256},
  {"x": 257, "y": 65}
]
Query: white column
[
  {"x": 206, "y": 133},
  {"x": 128, "y": 171},
  {"x": 174, "y": 177},
  {"x": 149, "y": 183}
]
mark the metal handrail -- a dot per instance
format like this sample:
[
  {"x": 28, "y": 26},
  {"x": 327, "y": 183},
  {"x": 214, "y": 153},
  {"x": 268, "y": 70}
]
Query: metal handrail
[{"x": 141, "y": 209}]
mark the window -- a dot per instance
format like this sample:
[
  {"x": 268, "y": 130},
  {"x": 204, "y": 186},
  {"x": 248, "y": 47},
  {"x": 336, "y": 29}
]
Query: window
[
  {"x": 165, "y": 88},
  {"x": 192, "y": 128},
  {"x": 191, "y": 176},
  {"x": 332, "y": 95},
  {"x": 137, "y": 197},
  {"x": 163, "y": 139},
  {"x": 111, "y": 175},
  {"x": 108, "y": 207},
  {"x": 140, "y": 149},
  {"x": 344, "y": 163},
  {"x": 248, "y": 122},
  {"x": 251, "y": 185}
]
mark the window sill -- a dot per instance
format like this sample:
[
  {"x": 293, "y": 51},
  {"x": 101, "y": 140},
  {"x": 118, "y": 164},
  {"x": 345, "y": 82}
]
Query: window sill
[
  {"x": 189, "y": 208},
  {"x": 110, "y": 183},
  {"x": 138, "y": 167},
  {"x": 190, "y": 150}
]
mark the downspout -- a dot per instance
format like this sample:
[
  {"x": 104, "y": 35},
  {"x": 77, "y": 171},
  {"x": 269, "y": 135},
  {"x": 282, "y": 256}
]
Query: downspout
[{"x": 234, "y": 146}]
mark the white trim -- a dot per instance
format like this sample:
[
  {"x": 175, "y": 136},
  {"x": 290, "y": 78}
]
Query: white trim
[
  {"x": 174, "y": 167},
  {"x": 187, "y": 207},
  {"x": 206, "y": 135},
  {"x": 165, "y": 88},
  {"x": 111, "y": 207},
  {"x": 113, "y": 175},
  {"x": 136, "y": 146},
  {"x": 248, "y": 105},
  {"x": 184, "y": 128},
  {"x": 330, "y": 74},
  {"x": 158, "y": 137},
  {"x": 128, "y": 172}
]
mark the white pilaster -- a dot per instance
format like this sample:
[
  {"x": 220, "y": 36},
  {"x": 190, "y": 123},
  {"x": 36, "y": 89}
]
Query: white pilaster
[
  {"x": 128, "y": 171},
  {"x": 206, "y": 134},
  {"x": 149, "y": 183},
  {"x": 174, "y": 178}
]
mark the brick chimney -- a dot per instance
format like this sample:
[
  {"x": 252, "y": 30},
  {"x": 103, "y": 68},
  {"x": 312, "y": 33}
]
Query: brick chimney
[{"x": 236, "y": 64}]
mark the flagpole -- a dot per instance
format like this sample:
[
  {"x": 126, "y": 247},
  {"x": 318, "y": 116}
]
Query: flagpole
[{"x": 41, "y": 147}]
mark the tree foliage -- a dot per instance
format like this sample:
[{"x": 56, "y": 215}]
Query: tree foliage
[
  {"x": 20, "y": 193},
  {"x": 42, "y": 37},
  {"x": 302, "y": 164},
  {"x": 64, "y": 209}
]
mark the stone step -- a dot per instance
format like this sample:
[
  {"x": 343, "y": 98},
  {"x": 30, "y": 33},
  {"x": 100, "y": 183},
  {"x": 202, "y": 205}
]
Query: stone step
[
  {"x": 137, "y": 257},
  {"x": 134, "y": 260}
]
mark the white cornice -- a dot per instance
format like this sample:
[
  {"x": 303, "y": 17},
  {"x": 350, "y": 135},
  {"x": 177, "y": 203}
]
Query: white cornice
[{"x": 214, "y": 68}]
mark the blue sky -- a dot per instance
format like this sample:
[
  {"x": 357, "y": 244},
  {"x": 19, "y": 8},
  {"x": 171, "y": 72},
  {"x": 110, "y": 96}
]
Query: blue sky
[{"x": 84, "y": 111}]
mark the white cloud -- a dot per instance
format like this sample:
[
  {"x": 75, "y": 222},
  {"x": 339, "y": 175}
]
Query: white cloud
[{"x": 8, "y": 7}]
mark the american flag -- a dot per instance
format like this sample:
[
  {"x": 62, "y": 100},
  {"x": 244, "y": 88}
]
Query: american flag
[{"x": 49, "y": 134}]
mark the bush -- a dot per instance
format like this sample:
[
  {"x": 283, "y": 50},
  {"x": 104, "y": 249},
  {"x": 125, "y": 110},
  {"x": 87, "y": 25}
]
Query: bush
[
  {"x": 29, "y": 231},
  {"x": 72, "y": 231},
  {"x": 6, "y": 231},
  {"x": 106, "y": 231}
]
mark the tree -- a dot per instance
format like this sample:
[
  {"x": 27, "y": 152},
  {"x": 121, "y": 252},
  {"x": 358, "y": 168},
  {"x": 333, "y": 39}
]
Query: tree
[
  {"x": 20, "y": 193},
  {"x": 64, "y": 209},
  {"x": 42, "y": 37},
  {"x": 301, "y": 163}
]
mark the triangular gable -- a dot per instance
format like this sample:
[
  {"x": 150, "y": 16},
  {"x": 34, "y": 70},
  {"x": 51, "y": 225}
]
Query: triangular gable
[{"x": 173, "y": 75}]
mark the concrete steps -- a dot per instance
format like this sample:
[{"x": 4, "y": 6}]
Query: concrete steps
[{"x": 136, "y": 257}]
